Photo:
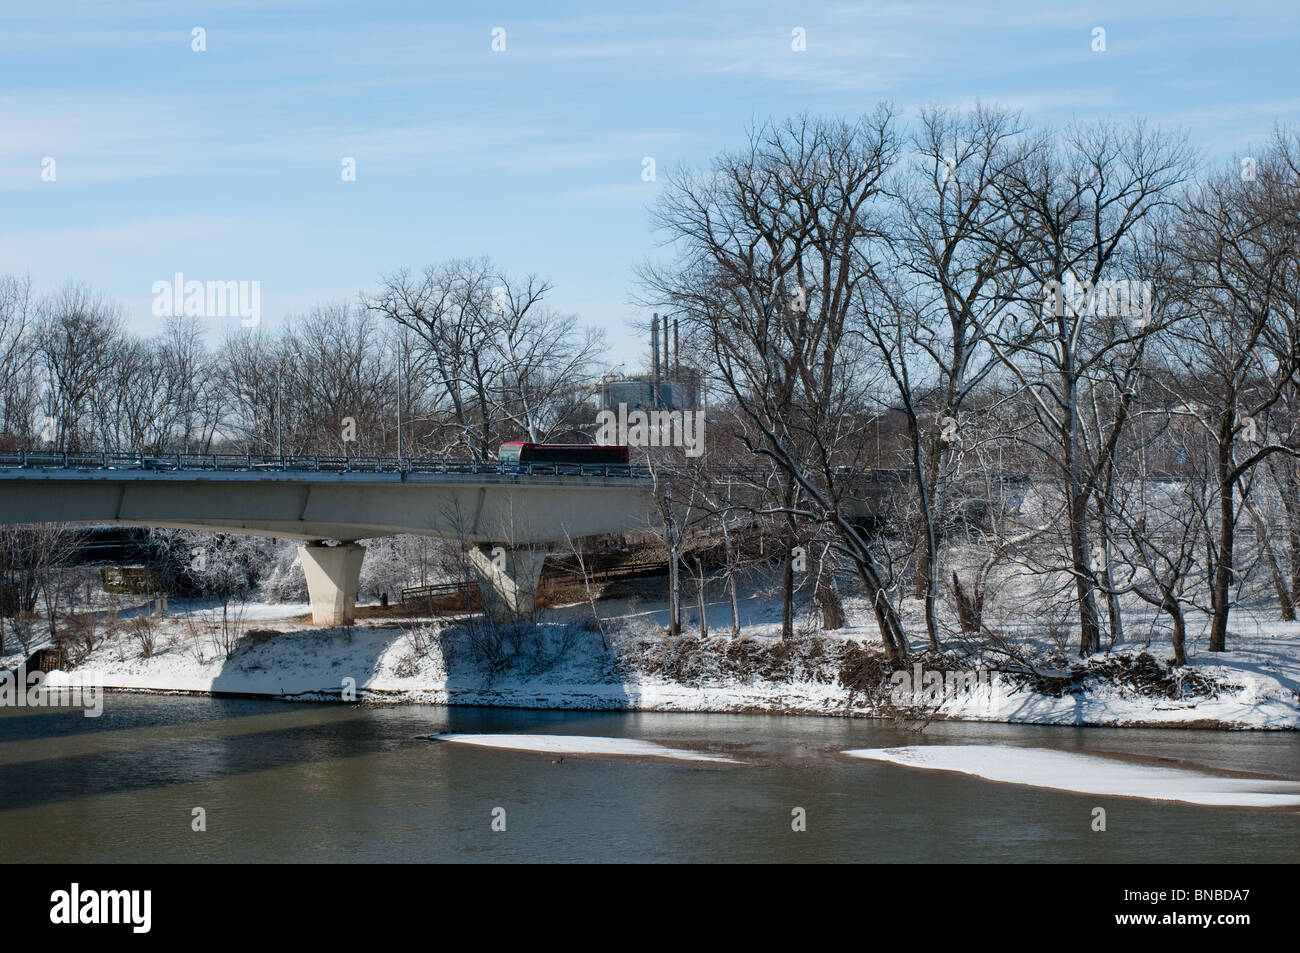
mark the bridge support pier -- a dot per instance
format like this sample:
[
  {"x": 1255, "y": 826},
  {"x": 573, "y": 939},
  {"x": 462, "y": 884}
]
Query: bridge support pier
[
  {"x": 508, "y": 578},
  {"x": 333, "y": 577}
]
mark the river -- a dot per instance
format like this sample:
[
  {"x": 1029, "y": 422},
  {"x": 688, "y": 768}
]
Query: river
[{"x": 331, "y": 783}]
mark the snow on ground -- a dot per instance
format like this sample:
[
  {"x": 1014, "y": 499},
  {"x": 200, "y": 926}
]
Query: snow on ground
[
  {"x": 581, "y": 744},
  {"x": 1090, "y": 774},
  {"x": 1258, "y": 698},
  {"x": 253, "y": 611},
  {"x": 561, "y": 663}
]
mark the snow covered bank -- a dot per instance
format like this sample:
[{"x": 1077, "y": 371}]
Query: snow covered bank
[
  {"x": 582, "y": 744},
  {"x": 1090, "y": 774},
  {"x": 562, "y": 663}
]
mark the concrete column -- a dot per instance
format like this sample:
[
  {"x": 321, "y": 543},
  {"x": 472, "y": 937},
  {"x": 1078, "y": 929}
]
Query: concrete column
[
  {"x": 333, "y": 576},
  {"x": 508, "y": 578}
]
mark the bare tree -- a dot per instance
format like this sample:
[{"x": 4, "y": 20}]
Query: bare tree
[
  {"x": 950, "y": 281},
  {"x": 19, "y": 389},
  {"x": 1164, "y": 521},
  {"x": 191, "y": 402},
  {"x": 337, "y": 368},
  {"x": 773, "y": 243},
  {"x": 1283, "y": 471},
  {"x": 446, "y": 306},
  {"x": 1075, "y": 207},
  {"x": 1239, "y": 275},
  {"x": 546, "y": 359},
  {"x": 76, "y": 333},
  {"x": 32, "y": 557}
]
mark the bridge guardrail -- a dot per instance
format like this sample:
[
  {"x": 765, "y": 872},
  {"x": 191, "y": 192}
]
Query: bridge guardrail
[
  {"x": 289, "y": 463},
  {"x": 217, "y": 462}
]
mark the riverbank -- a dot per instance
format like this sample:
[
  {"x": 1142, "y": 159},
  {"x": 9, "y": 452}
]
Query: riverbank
[{"x": 567, "y": 661}]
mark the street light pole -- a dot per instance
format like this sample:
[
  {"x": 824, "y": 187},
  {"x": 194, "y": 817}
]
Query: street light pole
[
  {"x": 400, "y": 350},
  {"x": 279, "y": 420}
]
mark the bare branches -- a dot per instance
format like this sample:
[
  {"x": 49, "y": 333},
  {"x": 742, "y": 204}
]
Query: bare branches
[
  {"x": 774, "y": 244},
  {"x": 501, "y": 359}
]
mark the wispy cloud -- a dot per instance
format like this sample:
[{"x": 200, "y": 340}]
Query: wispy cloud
[{"x": 230, "y": 158}]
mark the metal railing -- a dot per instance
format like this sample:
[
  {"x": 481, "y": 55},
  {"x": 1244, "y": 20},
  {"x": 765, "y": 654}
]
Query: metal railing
[
  {"x": 256, "y": 463},
  {"x": 562, "y": 568},
  {"x": 432, "y": 591}
]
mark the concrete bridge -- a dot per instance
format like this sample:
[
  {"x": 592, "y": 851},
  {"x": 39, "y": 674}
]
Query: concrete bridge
[{"x": 508, "y": 517}]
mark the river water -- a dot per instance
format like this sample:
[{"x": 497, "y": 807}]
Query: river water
[{"x": 332, "y": 783}]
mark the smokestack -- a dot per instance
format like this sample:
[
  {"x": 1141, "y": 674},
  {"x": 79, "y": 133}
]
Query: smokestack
[
  {"x": 677, "y": 355},
  {"x": 667, "y": 366},
  {"x": 654, "y": 351}
]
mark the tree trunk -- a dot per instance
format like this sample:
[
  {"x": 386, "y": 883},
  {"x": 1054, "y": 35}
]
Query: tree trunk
[
  {"x": 699, "y": 597},
  {"x": 787, "y": 579},
  {"x": 731, "y": 583},
  {"x": 926, "y": 474},
  {"x": 1291, "y": 505},
  {"x": 674, "y": 608},
  {"x": 970, "y": 606},
  {"x": 891, "y": 629},
  {"x": 1223, "y": 562},
  {"x": 1080, "y": 555},
  {"x": 1085, "y": 591},
  {"x": 1112, "y": 605},
  {"x": 927, "y": 536},
  {"x": 921, "y": 566},
  {"x": 1280, "y": 587},
  {"x": 787, "y": 596},
  {"x": 1112, "y": 597},
  {"x": 828, "y": 598},
  {"x": 1180, "y": 634}
]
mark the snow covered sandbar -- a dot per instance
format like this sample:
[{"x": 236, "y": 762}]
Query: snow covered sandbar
[
  {"x": 1090, "y": 774},
  {"x": 581, "y": 744}
]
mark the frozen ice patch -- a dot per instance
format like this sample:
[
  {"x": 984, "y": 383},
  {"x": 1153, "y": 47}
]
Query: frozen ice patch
[
  {"x": 581, "y": 744},
  {"x": 1090, "y": 774}
]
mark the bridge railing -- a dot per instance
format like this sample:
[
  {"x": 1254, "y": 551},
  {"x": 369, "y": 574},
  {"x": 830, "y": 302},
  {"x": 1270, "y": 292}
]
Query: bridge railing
[
  {"x": 246, "y": 462},
  {"x": 214, "y": 462}
]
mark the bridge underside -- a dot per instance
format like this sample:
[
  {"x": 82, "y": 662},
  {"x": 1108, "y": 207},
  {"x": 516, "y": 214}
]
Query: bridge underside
[
  {"x": 506, "y": 521},
  {"x": 334, "y": 506}
]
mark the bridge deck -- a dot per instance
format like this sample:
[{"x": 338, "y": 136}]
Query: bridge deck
[{"x": 239, "y": 467}]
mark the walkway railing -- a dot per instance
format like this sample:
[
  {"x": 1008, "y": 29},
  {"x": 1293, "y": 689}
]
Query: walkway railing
[
  {"x": 255, "y": 463},
  {"x": 258, "y": 463}
]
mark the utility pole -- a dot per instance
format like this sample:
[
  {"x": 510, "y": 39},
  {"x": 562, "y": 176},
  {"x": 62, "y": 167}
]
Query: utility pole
[
  {"x": 672, "y": 537},
  {"x": 401, "y": 350},
  {"x": 878, "y": 454},
  {"x": 279, "y": 418},
  {"x": 654, "y": 355}
]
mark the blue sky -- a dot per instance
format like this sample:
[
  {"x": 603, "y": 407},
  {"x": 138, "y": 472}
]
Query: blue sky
[{"x": 225, "y": 164}]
